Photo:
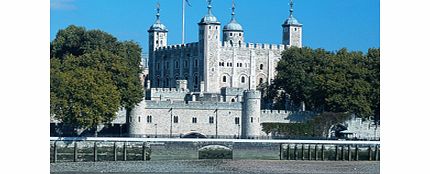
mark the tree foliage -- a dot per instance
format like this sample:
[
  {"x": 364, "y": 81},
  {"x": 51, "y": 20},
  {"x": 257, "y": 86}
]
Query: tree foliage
[
  {"x": 317, "y": 127},
  {"x": 92, "y": 76},
  {"x": 331, "y": 82}
]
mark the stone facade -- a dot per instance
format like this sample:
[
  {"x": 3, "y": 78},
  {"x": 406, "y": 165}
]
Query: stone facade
[{"x": 209, "y": 86}]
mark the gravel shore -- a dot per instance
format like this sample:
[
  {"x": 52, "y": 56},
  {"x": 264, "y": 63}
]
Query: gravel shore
[{"x": 217, "y": 166}]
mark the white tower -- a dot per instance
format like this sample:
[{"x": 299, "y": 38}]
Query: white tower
[
  {"x": 292, "y": 34},
  {"x": 233, "y": 31},
  {"x": 251, "y": 126},
  {"x": 157, "y": 38},
  {"x": 209, "y": 44}
]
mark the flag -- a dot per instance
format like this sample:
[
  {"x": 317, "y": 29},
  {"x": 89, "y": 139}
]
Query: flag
[{"x": 188, "y": 2}]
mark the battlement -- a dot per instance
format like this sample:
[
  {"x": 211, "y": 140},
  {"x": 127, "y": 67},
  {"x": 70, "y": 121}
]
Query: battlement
[
  {"x": 178, "y": 47},
  {"x": 257, "y": 46},
  {"x": 168, "y": 90},
  {"x": 252, "y": 94},
  {"x": 196, "y": 105}
]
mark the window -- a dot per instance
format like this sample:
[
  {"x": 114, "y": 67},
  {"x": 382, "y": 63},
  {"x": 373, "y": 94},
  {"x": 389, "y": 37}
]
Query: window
[
  {"x": 177, "y": 64},
  {"x": 252, "y": 119},
  {"x": 261, "y": 66},
  {"x": 211, "y": 120},
  {"x": 236, "y": 120},
  {"x": 138, "y": 119},
  {"x": 224, "y": 79},
  {"x": 194, "y": 120},
  {"x": 196, "y": 80},
  {"x": 261, "y": 80},
  {"x": 149, "y": 119},
  {"x": 232, "y": 100},
  {"x": 196, "y": 63},
  {"x": 131, "y": 120},
  {"x": 156, "y": 41},
  {"x": 186, "y": 64},
  {"x": 242, "y": 79},
  {"x": 175, "y": 119},
  {"x": 167, "y": 82},
  {"x": 231, "y": 34},
  {"x": 295, "y": 29},
  {"x": 240, "y": 34}
]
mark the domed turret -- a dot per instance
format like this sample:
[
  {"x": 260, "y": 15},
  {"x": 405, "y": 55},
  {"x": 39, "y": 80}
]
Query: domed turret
[
  {"x": 233, "y": 31},
  {"x": 158, "y": 26},
  {"x": 292, "y": 34},
  {"x": 209, "y": 18}
]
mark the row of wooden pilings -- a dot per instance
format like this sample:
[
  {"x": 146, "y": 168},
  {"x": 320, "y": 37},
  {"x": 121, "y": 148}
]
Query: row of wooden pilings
[
  {"x": 319, "y": 154},
  {"x": 124, "y": 151}
]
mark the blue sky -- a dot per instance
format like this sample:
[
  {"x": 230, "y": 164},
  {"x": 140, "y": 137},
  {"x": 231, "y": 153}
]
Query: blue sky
[{"x": 328, "y": 24}]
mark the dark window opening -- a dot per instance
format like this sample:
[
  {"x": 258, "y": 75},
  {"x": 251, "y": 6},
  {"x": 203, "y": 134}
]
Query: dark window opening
[
  {"x": 224, "y": 79},
  {"x": 211, "y": 120},
  {"x": 261, "y": 66},
  {"x": 149, "y": 119},
  {"x": 194, "y": 120},
  {"x": 252, "y": 119},
  {"x": 236, "y": 120},
  {"x": 242, "y": 79},
  {"x": 261, "y": 80},
  {"x": 175, "y": 119}
]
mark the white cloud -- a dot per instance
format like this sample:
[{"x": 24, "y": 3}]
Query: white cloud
[{"x": 63, "y": 5}]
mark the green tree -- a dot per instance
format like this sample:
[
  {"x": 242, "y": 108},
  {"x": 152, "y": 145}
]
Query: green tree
[
  {"x": 331, "y": 82},
  {"x": 92, "y": 76}
]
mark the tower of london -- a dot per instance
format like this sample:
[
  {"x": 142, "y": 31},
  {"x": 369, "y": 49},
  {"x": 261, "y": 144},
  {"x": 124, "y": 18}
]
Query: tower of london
[{"x": 210, "y": 86}]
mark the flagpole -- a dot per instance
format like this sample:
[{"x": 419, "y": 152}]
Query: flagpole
[{"x": 183, "y": 21}]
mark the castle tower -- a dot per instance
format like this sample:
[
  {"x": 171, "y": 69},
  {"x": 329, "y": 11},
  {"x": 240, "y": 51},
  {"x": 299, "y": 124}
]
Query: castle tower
[
  {"x": 209, "y": 44},
  {"x": 251, "y": 126},
  {"x": 292, "y": 30},
  {"x": 233, "y": 31},
  {"x": 157, "y": 38}
]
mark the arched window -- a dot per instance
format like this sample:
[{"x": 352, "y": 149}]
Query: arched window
[
  {"x": 167, "y": 82},
  {"x": 261, "y": 66},
  {"x": 242, "y": 79},
  {"x": 177, "y": 64},
  {"x": 196, "y": 79},
  {"x": 240, "y": 43},
  {"x": 261, "y": 80},
  {"x": 231, "y": 43},
  {"x": 224, "y": 79},
  {"x": 196, "y": 63},
  {"x": 232, "y": 100}
]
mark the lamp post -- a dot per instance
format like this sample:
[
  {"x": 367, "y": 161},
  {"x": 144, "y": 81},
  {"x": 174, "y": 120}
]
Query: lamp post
[
  {"x": 216, "y": 121},
  {"x": 171, "y": 116}
]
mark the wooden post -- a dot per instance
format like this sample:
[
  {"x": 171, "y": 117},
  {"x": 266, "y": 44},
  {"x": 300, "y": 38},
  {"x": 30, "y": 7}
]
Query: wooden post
[
  {"x": 309, "y": 152},
  {"x": 356, "y": 152},
  {"x": 316, "y": 152},
  {"x": 95, "y": 151},
  {"x": 55, "y": 152},
  {"x": 114, "y": 152},
  {"x": 288, "y": 151},
  {"x": 342, "y": 156},
  {"x": 295, "y": 152},
  {"x": 144, "y": 151},
  {"x": 376, "y": 153},
  {"x": 124, "y": 152},
  {"x": 349, "y": 152},
  {"x": 336, "y": 155},
  {"x": 370, "y": 153},
  {"x": 322, "y": 152},
  {"x": 281, "y": 153},
  {"x": 75, "y": 152},
  {"x": 303, "y": 151}
]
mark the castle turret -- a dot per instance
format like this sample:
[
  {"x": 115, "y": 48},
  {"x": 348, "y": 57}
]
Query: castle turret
[
  {"x": 209, "y": 44},
  {"x": 157, "y": 38},
  {"x": 233, "y": 31},
  {"x": 292, "y": 34},
  {"x": 251, "y": 126}
]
